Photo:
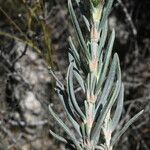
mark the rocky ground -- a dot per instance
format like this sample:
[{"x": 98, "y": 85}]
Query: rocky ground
[{"x": 26, "y": 88}]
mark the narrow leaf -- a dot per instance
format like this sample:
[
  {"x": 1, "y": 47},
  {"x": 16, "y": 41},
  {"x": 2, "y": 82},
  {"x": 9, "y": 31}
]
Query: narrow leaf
[
  {"x": 66, "y": 129},
  {"x": 103, "y": 37},
  {"x": 118, "y": 111},
  {"x": 58, "y": 137},
  {"x": 106, "y": 12},
  {"x": 71, "y": 91},
  {"x": 69, "y": 113},
  {"x": 79, "y": 79},
  {"x": 126, "y": 126},
  {"x": 78, "y": 30},
  {"x": 97, "y": 128},
  {"x": 74, "y": 50},
  {"x": 86, "y": 22},
  {"x": 109, "y": 83},
  {"x": 100, "y": 66},
  {"x": 70, "y": 58},
  {"x": 106, "y": 61}
]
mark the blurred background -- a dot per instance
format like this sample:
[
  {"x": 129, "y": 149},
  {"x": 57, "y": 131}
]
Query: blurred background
[{"x": 33, "y": 37}]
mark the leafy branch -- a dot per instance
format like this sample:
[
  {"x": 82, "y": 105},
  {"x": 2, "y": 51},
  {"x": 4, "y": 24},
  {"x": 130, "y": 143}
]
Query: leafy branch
[{"x": 98, "y": 73}]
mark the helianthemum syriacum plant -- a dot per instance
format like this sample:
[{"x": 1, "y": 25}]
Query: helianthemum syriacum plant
[{"x": 98, "y": 74}]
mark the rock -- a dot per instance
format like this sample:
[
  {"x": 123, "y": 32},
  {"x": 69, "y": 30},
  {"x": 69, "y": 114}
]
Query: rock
[{"x": 32, "y": 104}]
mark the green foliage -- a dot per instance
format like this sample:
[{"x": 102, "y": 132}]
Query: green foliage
[
  {"x": 99, "y": 77},
  {"x": 96, "y": 2}
]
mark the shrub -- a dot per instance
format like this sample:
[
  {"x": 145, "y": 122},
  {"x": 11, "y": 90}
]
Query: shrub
[{"x": 99, "y": 77}]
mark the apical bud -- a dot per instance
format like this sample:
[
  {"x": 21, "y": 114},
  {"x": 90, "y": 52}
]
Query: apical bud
[{"x": 97, "y": 2}]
